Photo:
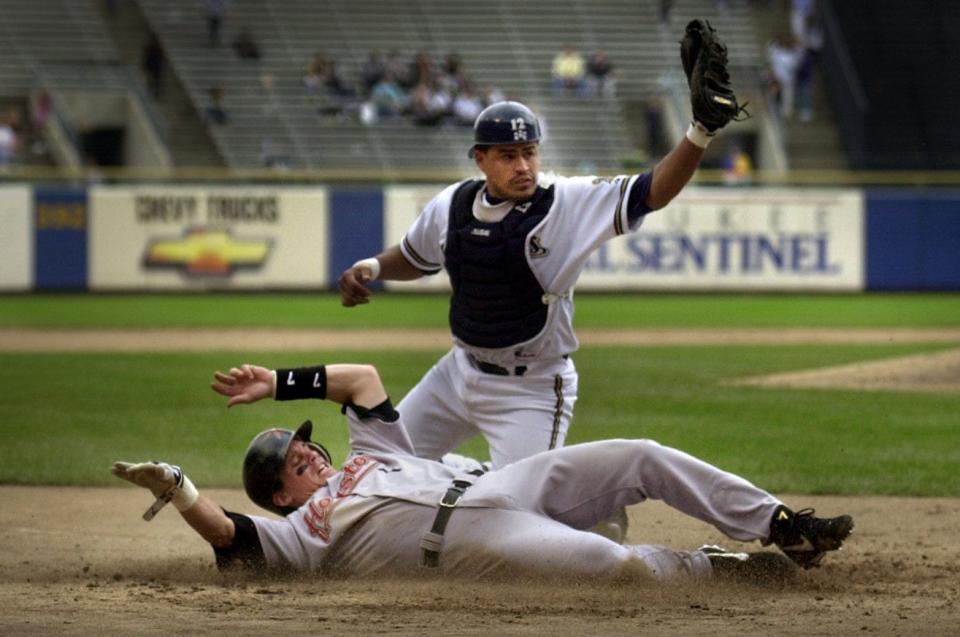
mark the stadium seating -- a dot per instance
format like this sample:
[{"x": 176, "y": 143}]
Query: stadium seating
[
  {"x": 504, "y": 44},
  {"x": 35, "y": 33}
]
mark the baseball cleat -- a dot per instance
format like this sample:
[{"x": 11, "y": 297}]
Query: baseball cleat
[
  {"x": 750, "y": 568},
  {"x": 805, "y": 538}
]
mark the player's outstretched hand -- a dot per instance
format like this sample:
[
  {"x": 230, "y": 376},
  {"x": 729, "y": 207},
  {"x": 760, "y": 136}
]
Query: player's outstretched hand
[
  {"x": 166, "y": 482},
  {"x": 353, "y": 286},
  {"x": 159, "y": 477},
  {"x": 244, "y": 384}
]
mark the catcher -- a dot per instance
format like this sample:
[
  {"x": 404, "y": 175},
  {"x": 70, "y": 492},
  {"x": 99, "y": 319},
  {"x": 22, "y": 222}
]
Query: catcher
[{"x": 385, "y": 511}]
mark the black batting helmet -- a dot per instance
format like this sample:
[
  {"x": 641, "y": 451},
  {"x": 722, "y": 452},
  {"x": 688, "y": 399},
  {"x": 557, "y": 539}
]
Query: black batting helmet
[
  {"x": 264, "y": 462},
  {"x": 504, "y": 123}
]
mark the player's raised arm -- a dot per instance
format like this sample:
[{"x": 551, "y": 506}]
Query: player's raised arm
[
  {"x": 712, "y": 101},
  {"x": 341, "y": 383},
  {"x": 389, "y": 265}
]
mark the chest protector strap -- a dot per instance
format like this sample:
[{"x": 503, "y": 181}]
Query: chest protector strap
[{"x": 497, "y": 301}]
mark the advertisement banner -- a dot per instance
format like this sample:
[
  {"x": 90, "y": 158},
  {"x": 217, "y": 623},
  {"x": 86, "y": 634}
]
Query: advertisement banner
[
  {"x": 736, "y": 239},
  {"x": 772, "y": 239},
  {"x": 60, "y": 219},
  {"x": 168, "y": 237},
  {"x": 16, "y": 240}
]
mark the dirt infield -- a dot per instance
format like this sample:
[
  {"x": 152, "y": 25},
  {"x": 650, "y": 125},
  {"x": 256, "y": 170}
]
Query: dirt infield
[
  {"x": 245, "y": 340},
  {"x": 82, "y": 562}
]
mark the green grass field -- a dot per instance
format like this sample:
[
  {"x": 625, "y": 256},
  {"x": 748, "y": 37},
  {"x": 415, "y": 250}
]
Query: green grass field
[
  {"x": 412, "y": 311},
  {"x": 65, "y": 417}
]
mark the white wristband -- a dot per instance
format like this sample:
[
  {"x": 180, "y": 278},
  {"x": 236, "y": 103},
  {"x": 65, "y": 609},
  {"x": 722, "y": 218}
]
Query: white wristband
[
  {"x": 371, "y": 264},
  {"x": 698, "y": 135},
  {"x": 184, "y": 495}
]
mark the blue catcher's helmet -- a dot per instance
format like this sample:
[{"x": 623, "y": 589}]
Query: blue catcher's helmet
[{"x": 504, "y": 123}]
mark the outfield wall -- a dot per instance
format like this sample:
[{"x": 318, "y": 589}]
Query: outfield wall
[{"x": 148, "y": 237}]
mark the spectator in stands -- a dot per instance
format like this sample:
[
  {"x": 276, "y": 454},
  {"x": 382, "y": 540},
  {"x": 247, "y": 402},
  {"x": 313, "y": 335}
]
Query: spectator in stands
[
  {"x": 397, "y": 68},
  {"x": 774, "y": 94},
  {"x": 387, "y": 98},
  {"x": 41, "y": 108},
  {"x": 804, "y": 80},
  {"x": 466, "y": 107},
  {"x": 216, "y": 9},
  {"x": 372, "y": 71},
  {"x": 800, "y": 13},
  {"x": 737, "y": 165},
  {"x": 216, "y": 112},
  {"x": 783, "y": 56},
  {"x": 568, "y": 70},
  {"x": 812, "y": 43},
  {"x": 316, "y": 69},
  {"x": 338, "y": 96},
  {"x": 421, "y": 70},
  {"x": 657, "y": 144},
  {"x": 431, "y": 103},
  {"x": 334, "y": 84},
  {"x": 9, "y": 141},
  {"x": 601, "y": 77},
  {"x": 245, "y": 45},
  {"x": 153, "y": 64},
  {"x": 452, "y": 76}
]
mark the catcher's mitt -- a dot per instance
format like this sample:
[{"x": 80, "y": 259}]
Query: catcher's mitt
[{"x": 704, "y": 58}]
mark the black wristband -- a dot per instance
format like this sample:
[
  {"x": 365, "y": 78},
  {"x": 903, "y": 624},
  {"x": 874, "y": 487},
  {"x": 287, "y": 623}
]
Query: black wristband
[{"x": 302, "y": 382}]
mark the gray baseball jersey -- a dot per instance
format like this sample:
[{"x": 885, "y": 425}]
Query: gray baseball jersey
[
  {"x": 528, "y": 405},
  {"x": 525, "y": 519}
]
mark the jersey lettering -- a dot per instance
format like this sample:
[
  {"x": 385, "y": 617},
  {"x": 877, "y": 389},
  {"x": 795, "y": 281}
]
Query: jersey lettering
[
  {"x": 290, "y": 380},
  {"x": 353, "y": 472},
  {"x": 317, "y": 518},
  {"x": 316, "y": 380}
]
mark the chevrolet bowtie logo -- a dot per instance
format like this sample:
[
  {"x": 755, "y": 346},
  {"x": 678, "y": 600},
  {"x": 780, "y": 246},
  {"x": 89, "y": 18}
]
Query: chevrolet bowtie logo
[{"x": 207, "y": 252}]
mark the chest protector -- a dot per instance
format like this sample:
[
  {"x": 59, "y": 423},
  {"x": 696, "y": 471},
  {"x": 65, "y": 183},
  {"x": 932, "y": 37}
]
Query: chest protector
[{"x": 497, "y": 301}]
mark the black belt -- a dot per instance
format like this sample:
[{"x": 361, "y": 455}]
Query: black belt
[
  {"x": 432, "y": 542},
  {"x": 496, "y": 370}
]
